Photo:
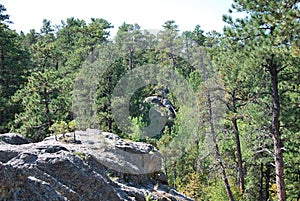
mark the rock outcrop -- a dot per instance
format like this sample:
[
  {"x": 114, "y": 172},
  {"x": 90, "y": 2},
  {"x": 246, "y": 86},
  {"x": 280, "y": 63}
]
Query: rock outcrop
[
  {"x": 13, "y": 138},
  {"x": 100, "y": 166},
  {"x": 162, "y": 103}
]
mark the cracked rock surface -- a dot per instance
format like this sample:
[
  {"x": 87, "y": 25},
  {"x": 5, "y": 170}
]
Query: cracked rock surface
[{"x": 101, "y": 167}]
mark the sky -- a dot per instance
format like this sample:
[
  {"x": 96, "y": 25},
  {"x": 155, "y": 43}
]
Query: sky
[{"x": 149, "y": 14}]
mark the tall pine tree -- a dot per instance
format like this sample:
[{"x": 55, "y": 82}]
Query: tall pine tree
[{"x": 269, "y": 33}]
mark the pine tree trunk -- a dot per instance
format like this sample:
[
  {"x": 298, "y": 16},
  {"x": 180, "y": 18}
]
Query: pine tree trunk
[
  {"x": 165, "y": 166},
  {"x": 268, "y": 171},
  {"x": 2, "y": 61},
  {"x": 47, "y": 109},
  {"x": 175, "y": 174},
  {"x": 130, "y": 60},
  {"x": 2, "y": 83},
  {"x": 214, "y": 137},
  {"x": 261, "y": 182},
  {"x": 239, "y": 155},
  {"x": 278, "y": 157},
  {"x": 216, "y": 149},
  {"x": 172, "y": 59}
]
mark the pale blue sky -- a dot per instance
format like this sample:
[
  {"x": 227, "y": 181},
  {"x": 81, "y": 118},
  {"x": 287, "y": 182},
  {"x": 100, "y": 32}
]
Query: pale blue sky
[{"x": 149, "y": 14}]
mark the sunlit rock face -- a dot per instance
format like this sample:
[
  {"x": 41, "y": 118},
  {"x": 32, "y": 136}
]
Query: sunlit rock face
[{"x": 99, "y": 166}]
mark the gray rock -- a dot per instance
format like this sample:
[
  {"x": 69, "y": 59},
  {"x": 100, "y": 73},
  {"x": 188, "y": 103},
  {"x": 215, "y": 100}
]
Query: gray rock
[
  {"x": 39, "y": 175},
  {"x": 118, "y": 154},
  {"x": 162, "y": 103},
  {"x": 13, "y": 138},
  {"x": 103, "y": 167}
]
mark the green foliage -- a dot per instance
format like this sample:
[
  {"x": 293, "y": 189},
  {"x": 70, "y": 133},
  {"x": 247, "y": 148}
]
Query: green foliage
[
  {"x": 82, "y": 155},
  {"x": 148, "y": 197},
  {"x": 14, "y": 61},
  {"x": 37, "y": 71},
  {"x": 72, "y": 125},
  {"x": 136, "y": 132},
  {"x": 62, "y": 127},
  {"x": 43, "y": 102}
]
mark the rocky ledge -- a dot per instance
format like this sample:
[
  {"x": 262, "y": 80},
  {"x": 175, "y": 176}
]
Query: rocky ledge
[{"x": 100, "y": 166}]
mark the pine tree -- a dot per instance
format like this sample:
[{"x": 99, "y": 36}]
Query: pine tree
[
  {"x": 14, "y": 63},
  {"x": 269, "y": 33}
]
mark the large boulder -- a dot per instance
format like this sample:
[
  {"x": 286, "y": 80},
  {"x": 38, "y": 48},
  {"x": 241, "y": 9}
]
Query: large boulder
[
  {"x": 115, "y": 153},
  {"x": 101, "y": 167},
  {"x": 13, "y": 138}
]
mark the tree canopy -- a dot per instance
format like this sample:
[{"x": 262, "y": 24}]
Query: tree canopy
[{"x": 222, "y": 108}]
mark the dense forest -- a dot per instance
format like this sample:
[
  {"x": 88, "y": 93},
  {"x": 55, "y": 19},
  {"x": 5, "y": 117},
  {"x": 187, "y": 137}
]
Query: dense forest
[{"x": 222, "y": 108}]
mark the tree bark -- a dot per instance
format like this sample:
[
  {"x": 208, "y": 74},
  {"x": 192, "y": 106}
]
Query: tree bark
[
  {"x": 130, "y": 59},
  {"x": 216, "y": 149},
  {"x": 214, "y": 137},
  {"x": 268, "y": 171},
  {"x": 238, "y": 144},
  {"x": 261, "y": 182},
  {"x": 46, "y": 101},
  {"x": 239, "y": 155},
  {"x": 278, "y": 156},
  {"x": 2, "y": 81},
  {"x": 175, "y": 174}
]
